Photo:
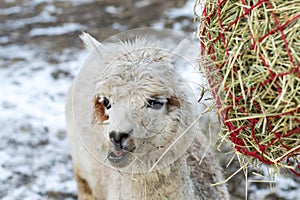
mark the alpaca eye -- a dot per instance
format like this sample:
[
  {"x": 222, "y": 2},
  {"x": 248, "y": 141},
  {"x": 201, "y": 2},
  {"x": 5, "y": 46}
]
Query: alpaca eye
[
  {"x": 156, "y": 103},
  {"x": 105, "y": 102}
]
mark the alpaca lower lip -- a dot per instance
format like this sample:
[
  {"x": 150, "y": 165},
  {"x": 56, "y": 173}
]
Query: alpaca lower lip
[{"x": 118, "y": 158}]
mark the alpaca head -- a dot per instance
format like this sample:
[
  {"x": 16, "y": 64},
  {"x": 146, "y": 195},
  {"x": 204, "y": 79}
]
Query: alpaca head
[{"x": 143, "y": 105}]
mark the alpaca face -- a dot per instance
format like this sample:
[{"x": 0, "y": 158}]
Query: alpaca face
[
  {"x": 144, "y": 106},
  {"x": 138, "y": 128}
]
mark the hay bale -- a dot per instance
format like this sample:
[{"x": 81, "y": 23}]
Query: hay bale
[{"x": 255, "y": 50}]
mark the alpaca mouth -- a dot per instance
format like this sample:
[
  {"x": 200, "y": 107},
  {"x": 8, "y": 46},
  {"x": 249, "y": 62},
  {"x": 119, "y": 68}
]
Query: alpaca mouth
[
  {"x": 118, "y": 158},
  {"x": 120, "y": 147}
]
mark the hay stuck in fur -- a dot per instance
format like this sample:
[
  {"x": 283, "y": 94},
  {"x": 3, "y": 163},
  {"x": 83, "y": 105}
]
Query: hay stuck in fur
[{"x": 255, "y": 50}]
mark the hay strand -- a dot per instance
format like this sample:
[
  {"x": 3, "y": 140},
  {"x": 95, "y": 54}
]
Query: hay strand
[{"x": 255, "y": 77}]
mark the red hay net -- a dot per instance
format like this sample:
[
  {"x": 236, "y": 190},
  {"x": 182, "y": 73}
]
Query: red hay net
[{"x": 215, "y": 79}]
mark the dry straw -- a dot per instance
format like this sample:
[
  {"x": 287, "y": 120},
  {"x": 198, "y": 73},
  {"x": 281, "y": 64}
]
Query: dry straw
[{"x": 253, "y": 48}]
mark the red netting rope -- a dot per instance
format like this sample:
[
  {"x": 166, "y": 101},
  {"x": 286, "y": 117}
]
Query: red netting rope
[{"x": 234, "y": 131}]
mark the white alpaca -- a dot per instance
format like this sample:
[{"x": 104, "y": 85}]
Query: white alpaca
[{"x": 125, "y": 111}]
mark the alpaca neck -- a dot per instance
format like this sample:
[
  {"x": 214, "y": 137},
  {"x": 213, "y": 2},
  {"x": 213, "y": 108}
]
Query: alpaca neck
[{"x": 172, "y": 182}]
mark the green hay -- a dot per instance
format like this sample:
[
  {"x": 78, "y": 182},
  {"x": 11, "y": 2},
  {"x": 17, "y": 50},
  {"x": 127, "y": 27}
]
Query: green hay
[{"x": 244, "y": 71}]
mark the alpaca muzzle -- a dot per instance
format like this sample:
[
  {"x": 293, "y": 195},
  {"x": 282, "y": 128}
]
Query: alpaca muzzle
[{"x": 121, "y": 146}]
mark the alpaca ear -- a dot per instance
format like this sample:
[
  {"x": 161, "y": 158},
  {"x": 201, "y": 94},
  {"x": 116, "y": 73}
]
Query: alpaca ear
[
  {"x": 186, "y": 53},
  {"x": 188, "y": 68},
  {"x": 92, "y": 44},
  {"x": 180, "y": 49}
]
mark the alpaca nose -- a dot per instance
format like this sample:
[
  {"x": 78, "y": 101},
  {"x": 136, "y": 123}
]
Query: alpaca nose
[{"x": 117, "y": 137}]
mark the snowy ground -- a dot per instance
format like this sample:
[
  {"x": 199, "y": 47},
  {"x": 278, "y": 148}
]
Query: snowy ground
[
  {"x": 39, "y": 56},
  {"x": 34, "y": 151}
]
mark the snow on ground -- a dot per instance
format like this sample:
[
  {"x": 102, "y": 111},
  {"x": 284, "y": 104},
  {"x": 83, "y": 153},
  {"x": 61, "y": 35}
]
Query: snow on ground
[
  {"x": 34, "y": 152},
  {"x": 186, "y": 11},
  {"x": 56, "y": 30}
]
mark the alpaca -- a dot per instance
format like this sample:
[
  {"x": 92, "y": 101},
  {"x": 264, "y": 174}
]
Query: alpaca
[{"x": 130, "y": 123}]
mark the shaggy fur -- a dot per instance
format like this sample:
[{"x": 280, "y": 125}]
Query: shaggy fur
[{"x": 131, "y": 75}]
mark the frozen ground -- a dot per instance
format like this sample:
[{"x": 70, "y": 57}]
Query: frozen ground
[
  {"x": 33, "y": 149},
  {"x": 39, "y": 56}
]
